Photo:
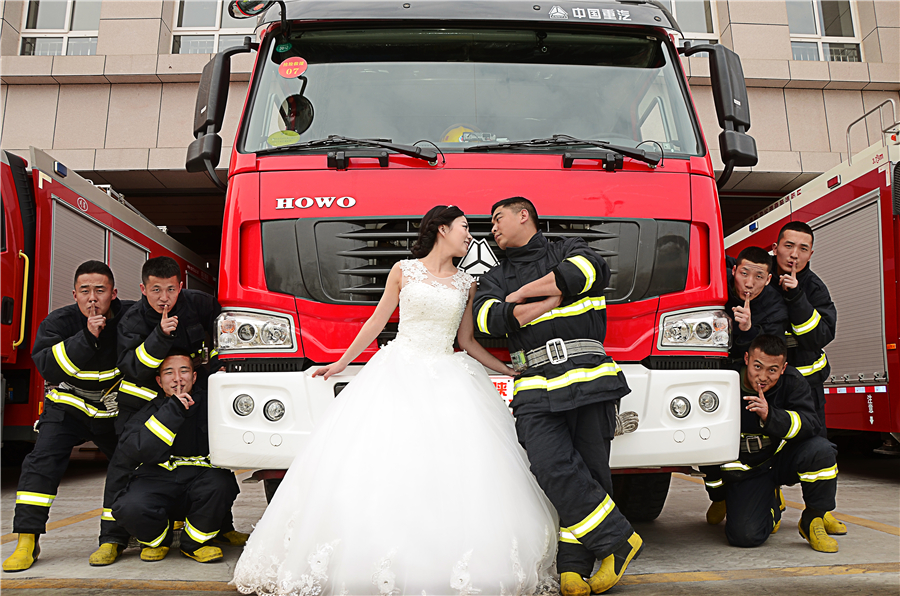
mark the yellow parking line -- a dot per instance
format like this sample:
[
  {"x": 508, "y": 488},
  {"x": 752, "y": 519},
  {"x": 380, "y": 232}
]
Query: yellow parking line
[
  {"x": 752, "y": 574},
  {"x": 67, "y": 521},
  {"x": 859, "y": 521}
]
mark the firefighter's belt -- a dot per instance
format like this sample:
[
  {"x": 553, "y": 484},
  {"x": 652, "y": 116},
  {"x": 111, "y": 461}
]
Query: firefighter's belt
[
  {"x": 555, "y": 351},
  {"x": 754, "y": 443},
  {"x": 82, "y": 393}
]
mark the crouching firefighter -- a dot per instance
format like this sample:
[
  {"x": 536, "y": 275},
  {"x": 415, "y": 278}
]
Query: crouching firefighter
[
  {"x": 548, "y": 299},
  {"x": 169, "y": 438},
  {"x": 780, "y": 444},
  {"x": 75, "y": 352}
]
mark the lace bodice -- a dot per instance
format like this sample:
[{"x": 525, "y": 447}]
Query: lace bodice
[{"x": 431, "y": 307}]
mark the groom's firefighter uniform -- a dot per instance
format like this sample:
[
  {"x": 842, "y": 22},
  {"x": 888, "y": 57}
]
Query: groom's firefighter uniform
[
  {"x": 80, "y": 407},
  {"x": 564, "y": 398},
  {"x": 175, "y": 479}
]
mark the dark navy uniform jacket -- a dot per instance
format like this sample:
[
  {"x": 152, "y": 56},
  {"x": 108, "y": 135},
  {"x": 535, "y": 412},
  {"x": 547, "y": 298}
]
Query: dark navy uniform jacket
[{"x": 768, "y": 314}]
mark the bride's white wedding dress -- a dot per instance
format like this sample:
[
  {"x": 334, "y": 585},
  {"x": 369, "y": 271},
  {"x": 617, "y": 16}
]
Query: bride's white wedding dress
[{"x": 413, "y": 481}]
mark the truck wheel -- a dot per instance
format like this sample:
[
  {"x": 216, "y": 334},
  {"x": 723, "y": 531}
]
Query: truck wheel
[
  {"x": 270, "y": 485},
  {"x": 640, "y": 497}
]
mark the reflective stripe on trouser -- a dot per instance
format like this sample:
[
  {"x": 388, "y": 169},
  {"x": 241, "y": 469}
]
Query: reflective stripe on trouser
[
  {"x": 569, "y": 456},
  {"x": 713, "y": 482}
]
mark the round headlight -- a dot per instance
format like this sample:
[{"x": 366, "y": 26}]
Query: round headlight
[
  {"x": 709, "y": 401},
  {"x": 246, "y": 332},
  {"x": 677, "y": 332},
  {"x": 721, "y": 338},
  {"x": 703, "y": 330},
  {"x": 680, "y": 407},
  {"x": 227, "y": 340},
  {"x": 274, "y": 410},
  {"x": 243, "y": 404},
  {"x": 274, "y": 333}
]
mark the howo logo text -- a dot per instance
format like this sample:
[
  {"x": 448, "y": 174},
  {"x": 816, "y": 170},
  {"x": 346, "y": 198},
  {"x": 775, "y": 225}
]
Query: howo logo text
[{"x": 320, "y": 202}]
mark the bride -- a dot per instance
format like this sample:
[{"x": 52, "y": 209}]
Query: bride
[{"x": 413, "y": 482}]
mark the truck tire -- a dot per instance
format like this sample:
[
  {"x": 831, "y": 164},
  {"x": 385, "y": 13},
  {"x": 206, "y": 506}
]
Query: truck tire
[
  {"x": 270, "y": 485},
  {"x": 640, "y": 497}
]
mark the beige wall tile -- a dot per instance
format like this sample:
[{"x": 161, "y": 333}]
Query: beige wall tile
[
  {"x": 172, "y": 68},
  {"x": 761, "y": 12},
  {"x": 762, "y": 42},
  {"x": 81, "y": 117},
  {"x": 133, "y": 117},
  {"x": 27, "y": 119},
  {"x": 889, "y": 40},
  {"x": 873, "y": 122},
  {"x": 816, "y": 162},
  {"x": 865, "y": 14},
  {"x": 131, "y": 9},
  {"x": 242, "y": 66},
  {"x": 138, "y": 68},
  {"x": 128, "y": 36},
  {"x": 34, "y": 70},
  {"x": 13, "y": 12},
  {"x": 176, "y": 115},
  {"x": 699, "y": 71},
  {"x": 722, "y": 14},
  {"x": 2, "y": 107},
  {"x": 79, "y": 69},
  {"x": 75, "y": 159},
  {"x": 726, "y": 38},
  {"x": 768, "y": 119},
  {"x": 884, "y": 76},
  {"x": 9, "y": 39},
  {"x": 765, "y": 73},
  {"x": 168, "y": 158},
  {"x": 808, "y": 74},
  {"x": 236, "y": 94},
  {"x": 871, "y": 47},
  {"x": 848, "y": 75},
  {"x": 842, "y": 108},
  {"x": 122, "y": 159},
  {"x": 806, "y": 117},
  {"x": 169, "y": 9},
  {"x": 887, "y": 13}
]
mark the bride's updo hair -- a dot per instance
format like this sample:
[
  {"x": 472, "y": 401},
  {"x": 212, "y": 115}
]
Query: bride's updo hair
[{"x": 442, "y": 215}]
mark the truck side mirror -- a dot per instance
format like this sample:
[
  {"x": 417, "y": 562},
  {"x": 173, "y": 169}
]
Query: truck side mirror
[
  {"x": 205, "y": 151},
  {"x": 732, "y": 108}
]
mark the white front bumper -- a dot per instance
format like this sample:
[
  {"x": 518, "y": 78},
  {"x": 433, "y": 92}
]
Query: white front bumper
[{"x": 661, "y": 439}]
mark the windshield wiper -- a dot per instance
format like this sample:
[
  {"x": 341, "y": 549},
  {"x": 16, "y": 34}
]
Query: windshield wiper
[
  {"x": 423, "y": 153},
  {"x": 650, "y": 157}
]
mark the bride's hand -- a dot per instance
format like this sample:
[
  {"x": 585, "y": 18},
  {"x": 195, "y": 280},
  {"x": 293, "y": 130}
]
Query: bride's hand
[{"x": 328, "y": 371}]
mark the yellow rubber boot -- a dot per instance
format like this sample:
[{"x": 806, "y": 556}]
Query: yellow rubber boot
[
  {"x": 232, "y": 538},
  {"x": 716, "y": 513},
  {"x": 26, "y": 553},
  {"x": 817, "y": 537},
  {"x": 572, "y": 584},
  {"x": 106, "y": 554},
  {"x": 148, "y": 553},
  {"x": 205, "y": 554},
  {"x": 834, "y": 526},
  {"x": 613, "y": 567},
  {"x": 776, "y": 527},
  {"x": 781, "y": 502}
]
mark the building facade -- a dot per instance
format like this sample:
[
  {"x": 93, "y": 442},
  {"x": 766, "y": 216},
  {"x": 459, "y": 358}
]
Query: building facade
[{"x": 108, "y": 87}]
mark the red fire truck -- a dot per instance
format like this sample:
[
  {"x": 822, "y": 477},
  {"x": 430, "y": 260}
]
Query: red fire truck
[
  {"x": 854, "y": 211},
  {"x": 53, "y": 220},
  {"x": 360, "y": 116}
]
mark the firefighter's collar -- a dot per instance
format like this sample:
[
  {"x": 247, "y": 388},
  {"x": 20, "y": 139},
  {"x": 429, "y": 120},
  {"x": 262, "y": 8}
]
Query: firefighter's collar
[{"x": 534, "y": 249}]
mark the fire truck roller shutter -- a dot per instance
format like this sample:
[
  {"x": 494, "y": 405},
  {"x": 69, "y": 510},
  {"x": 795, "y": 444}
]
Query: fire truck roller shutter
[
  {"x": 76, "y": 239},
  {"x": 192, "y": 282},
  {"x": 847, "y": 258},
  {"x": 126, "y": 260}
]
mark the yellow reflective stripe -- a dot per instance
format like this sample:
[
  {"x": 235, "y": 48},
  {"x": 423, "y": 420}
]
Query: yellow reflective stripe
[
  {"x": 107, "y": 515},
  {"x": 576, "y": 375},
  {"x": 780, "y": 446},
  {"x": 825, "y": 474},
  {"x": 807, "y": 326},
  {"x": 214, "y": 353},
  {"x": 795, "y": 424},
  {"x": 593, "y": 519},
  {"x": 714, "y": 483},
  {"x": 59, "y": 397},
  {"x": 176, "y": 462},
  {"x": 97, "y": 375},
  {"x": 196, "y": 534},
  {"x": 62, "y": 359},
  {"x": 159, "y": 429},
  {"x": 27, "y": 498},
  {"x": 157, "y": 541},
  {"x": 137, "y": 391},
  {"x": 735, "y": 466},
  {"x": 145, "y": 357},
  {"x": 483, "y": 314},
  {"x": 566, "y": 535},
  {"x": 814, "y": 367},
  {"x": 590, "y": 274},
  {"x": 574, "y": 309}
]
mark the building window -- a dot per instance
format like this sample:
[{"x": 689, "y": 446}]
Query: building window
[
  {"x": 205, "y": 27},
  {"x": 824, "y": 30},
  {"x": 60, "y": 28},
  {"x": 696, "y": 18}
]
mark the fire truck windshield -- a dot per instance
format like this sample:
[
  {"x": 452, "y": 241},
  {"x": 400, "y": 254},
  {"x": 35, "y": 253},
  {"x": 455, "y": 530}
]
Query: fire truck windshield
[{"x": 459, "y": 87}]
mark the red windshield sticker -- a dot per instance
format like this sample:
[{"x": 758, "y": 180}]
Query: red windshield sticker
[{"x": 292, "y": 68}]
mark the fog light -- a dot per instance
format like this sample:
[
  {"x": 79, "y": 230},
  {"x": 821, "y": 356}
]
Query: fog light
[
  {"x": 274, "y": 333},
  {"x": 274, "y": 410},
  {"x": 246, "y": 332},
  {"x": 703, "y": 330},
  {"x": 709, "y": 401},
  {"x": 243, "y": 404},
  {"x": 680, "y": 407}
]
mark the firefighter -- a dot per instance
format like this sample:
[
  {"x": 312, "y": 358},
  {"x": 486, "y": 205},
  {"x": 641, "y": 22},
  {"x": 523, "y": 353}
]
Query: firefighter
[
  {"x": 169, "y": 438},
  {"x": 75, "y": 351},
  {"x": 755, "y": 308},
  {"x": 780, "y": 444},
  {"x": 167, "y": 317},
  {"x": 812, "y": 318},
  {"x": 548, "y": 299}
]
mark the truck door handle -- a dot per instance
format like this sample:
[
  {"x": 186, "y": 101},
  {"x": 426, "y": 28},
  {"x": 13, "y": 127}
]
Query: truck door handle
[{"x": 18, "y": 343}]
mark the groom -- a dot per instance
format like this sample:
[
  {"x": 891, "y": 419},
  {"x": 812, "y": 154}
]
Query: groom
[{"x": 548, "y": 300}]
